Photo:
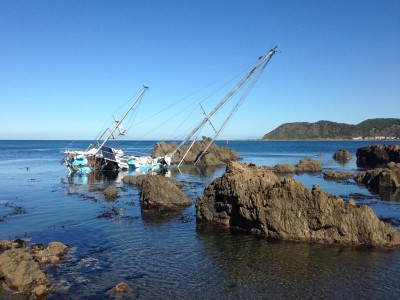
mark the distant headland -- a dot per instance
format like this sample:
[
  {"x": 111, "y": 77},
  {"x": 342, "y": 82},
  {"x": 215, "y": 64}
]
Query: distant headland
[{"x": 371, "y": 129}]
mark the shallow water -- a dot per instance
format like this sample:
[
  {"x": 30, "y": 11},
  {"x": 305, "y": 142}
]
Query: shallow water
[{"x": 171, "y": 257}]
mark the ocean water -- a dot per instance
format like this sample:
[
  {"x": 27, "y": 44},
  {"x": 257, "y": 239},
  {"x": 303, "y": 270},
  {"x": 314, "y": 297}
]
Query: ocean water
[{"x": 169, "y": 256}]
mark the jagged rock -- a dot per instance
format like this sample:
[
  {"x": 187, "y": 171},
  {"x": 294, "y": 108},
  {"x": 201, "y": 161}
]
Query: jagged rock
[
  {"x": 332, "y": 175},
  {"x": 222, "y": 154},
  {"x": 342, "y": 155},
  {"x": 381, "y": 177},
  {"x": 159, "y": 192},
  {"x": 378, "y": 155},
  {"x": 255, "y": 199},
  {"x": 111, "y": 193},
  {"x": 21, "y": 273},
  {"x": 308, "y": 165}
]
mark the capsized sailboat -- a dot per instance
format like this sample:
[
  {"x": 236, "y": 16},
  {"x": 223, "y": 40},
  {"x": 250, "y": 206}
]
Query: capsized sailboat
[{"x": 99, "y": 157}]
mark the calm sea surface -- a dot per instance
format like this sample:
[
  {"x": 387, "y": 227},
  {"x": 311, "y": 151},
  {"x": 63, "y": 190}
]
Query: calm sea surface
[{"x": 171, "y": 257}]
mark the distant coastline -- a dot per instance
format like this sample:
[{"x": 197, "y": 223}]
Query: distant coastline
[{"x": 380, "y": 129}]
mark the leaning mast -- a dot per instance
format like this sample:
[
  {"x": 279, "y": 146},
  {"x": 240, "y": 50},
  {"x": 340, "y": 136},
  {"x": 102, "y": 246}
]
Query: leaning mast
[{"x": 263, "y": 61}]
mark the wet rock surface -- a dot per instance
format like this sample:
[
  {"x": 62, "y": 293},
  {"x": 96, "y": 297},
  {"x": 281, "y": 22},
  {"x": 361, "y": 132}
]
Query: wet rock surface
[
  {"x": 342, "y": 155},
  {"x": 159, "y": 192},
  {"x": 216, "y": 155},
  {"x": 378, "y": 155},
  {"x": 257, "y": 200}
]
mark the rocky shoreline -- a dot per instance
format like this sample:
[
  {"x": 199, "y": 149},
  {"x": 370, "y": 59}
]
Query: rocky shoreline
[
  {"x": 264, "y": 201},
  {"x": 20, "y": 266}
]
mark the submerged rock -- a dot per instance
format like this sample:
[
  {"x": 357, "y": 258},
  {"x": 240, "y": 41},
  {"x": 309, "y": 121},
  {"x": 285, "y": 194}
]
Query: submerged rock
[
  {"x": 157, "y": 191},
  {"x": 121, "y": 287},
  {"x": 21, "y": 273},
  {"x": 218, "y": 155},
  {"x": 378, "y": 155},
  {"x": 255, "y": 199},
  {"x": 342, "y": 155}
]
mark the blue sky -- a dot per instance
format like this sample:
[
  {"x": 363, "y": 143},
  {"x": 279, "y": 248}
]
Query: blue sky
[{"x": 65, "y": 66}]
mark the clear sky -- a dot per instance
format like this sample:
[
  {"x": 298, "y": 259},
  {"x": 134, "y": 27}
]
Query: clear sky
[{"x": 65, "y": 66}]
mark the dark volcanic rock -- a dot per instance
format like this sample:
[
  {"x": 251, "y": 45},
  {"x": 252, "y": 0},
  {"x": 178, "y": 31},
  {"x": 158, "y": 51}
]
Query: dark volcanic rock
[
  {"x": 378, "y": 155},
  {"x": 220, "y": 155},
  {"x": 159, "y": 192},
  {"x": 381, "y": 177},
  {"x": 255, "y": 199},
  {"x": 342, "y": 155}
]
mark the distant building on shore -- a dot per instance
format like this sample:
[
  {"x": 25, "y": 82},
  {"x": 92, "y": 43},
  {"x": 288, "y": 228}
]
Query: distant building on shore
[{"x": 375, "y": 138}]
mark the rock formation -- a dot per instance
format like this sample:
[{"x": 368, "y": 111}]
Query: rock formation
[
  {"x": 159, "y": 192},
  {"x": 20, "y": 269},
  {"x": 342, "y": 155},
  {"x": 305, "y": 165},
  {"x": 20, "y": 272},
  {"x": 332, "y": 175},
  {"x": 378, "y": 155},
  {"x": 381, "y": 177},
  {"x": 216, "y": 155},
  {"x": 257, "y": 200}
]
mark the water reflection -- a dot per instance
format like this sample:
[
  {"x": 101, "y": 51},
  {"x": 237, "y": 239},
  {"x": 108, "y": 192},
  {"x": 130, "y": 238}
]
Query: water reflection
[
  {"x": 386, "y": 193},
  {"x": 252, "y": 265},
  {"x": 160, "y": 216}
]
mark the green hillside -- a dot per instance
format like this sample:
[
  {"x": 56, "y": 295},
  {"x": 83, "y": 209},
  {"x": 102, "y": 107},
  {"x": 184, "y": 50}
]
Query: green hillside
[{"x": 370, "y": 129}]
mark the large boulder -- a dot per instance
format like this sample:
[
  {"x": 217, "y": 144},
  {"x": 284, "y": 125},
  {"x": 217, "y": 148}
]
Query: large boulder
[
  {"x": 257, "y": 200},
  {"x": 342, "y": 155},
  {"x": 159, "y": 192},
  {"x": 381, "y": 177},
  {"x": 378, "y": 155},
  {"x": 21, "y": 274},
  {"x": 222, "y": 155}
]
